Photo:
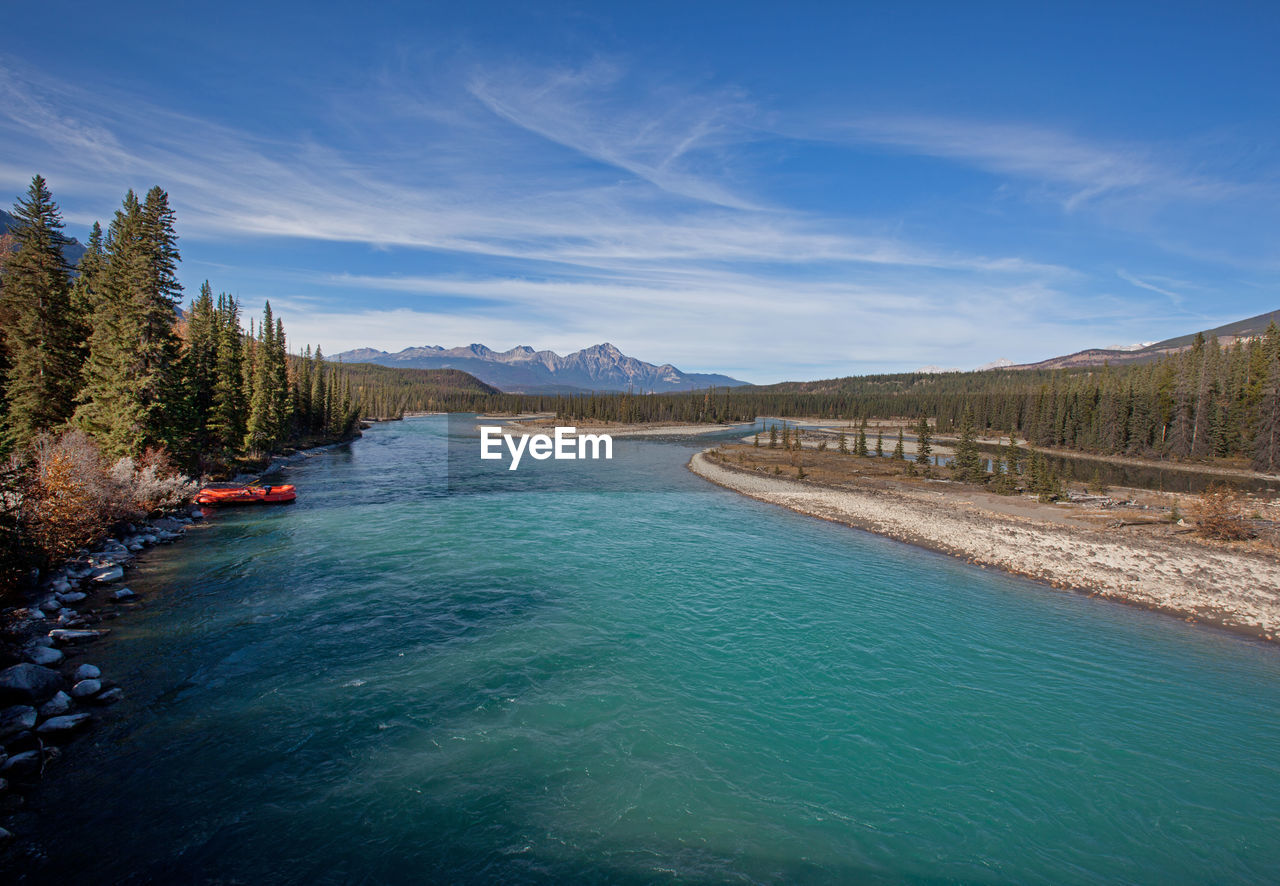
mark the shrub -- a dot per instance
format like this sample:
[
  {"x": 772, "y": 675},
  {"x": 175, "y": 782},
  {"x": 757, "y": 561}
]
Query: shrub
[
  {"x": 1220, "y": 513},
  {"x": 152, "y": 483},
  {"x": 70, "y": 499}
]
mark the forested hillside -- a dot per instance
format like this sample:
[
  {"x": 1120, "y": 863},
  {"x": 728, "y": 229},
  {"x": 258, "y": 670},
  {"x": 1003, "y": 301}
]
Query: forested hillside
[
  {"x": 1207, "y": 401},
  {"x": 386, "y": 392}
]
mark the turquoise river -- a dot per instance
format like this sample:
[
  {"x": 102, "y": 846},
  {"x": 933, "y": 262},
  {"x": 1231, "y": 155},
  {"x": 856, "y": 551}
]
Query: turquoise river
[{"x": 621, "y": 673}]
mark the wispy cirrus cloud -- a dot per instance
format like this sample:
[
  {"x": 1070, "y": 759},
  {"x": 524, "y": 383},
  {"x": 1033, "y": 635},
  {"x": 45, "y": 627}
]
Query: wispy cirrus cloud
[
  {"x": 1151, "y": 286},
  {"x": 675, "y": 139},
  {"x": 566, "y": 207},
  {"x": 1083, "y": 170}
]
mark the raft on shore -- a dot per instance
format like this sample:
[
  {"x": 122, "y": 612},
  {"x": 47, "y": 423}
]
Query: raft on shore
[{"x": 245, "y": 495}]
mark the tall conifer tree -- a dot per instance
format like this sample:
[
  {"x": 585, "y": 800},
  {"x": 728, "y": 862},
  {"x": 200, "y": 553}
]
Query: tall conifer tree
[{"x": 41, "y": 339}]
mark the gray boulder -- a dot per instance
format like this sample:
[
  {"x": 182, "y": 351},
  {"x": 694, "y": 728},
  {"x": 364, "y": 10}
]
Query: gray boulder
[
  {"x": 86, "y": 688},
  {"x": 15, "y": 719},
  {"x": 111, "y": 696},
  {"x": 44, "y": 655},
  {"x": 62, "y": 725},
  {"x": 108, "y": 574},
  {"x": 28, "y": 683},
  {"x": 123, "y": 594},
  {"x": 56, "y": 706},
  {"x": 72, "y": 597},
  {"x": 65, "y": 635},
  {"x": 24, "y": 765},
  {"x": 86, "y": 672}
]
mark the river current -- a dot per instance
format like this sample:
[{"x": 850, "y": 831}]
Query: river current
[{"x": 626, "y": 674}]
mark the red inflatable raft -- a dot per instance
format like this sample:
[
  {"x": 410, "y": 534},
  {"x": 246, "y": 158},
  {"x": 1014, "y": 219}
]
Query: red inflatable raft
[{"x": 245, "y": 495}]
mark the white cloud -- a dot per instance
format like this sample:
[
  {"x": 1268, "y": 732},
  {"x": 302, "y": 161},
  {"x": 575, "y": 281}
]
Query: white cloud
[
  {"x": 1085, "y": 170},
  {"x": 649, "y": 243}
]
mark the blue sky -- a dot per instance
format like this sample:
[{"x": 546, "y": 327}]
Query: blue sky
[{"x": 775, "y": 191}]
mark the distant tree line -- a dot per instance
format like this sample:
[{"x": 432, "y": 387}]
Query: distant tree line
[{"x": 1207, "y": 401}]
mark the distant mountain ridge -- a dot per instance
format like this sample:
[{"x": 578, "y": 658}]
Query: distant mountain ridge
[
  {"x": 522, "y": 370},
  {"x": 1227, "y": 334}
]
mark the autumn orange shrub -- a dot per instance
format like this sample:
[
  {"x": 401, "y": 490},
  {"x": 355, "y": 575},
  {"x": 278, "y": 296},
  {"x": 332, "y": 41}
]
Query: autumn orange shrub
[{"x": 70, "y": 499}]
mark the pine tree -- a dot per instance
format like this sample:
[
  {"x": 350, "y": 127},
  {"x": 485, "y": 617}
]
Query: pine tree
[
  {"x": 860, "y": 448},
  {"x": 1266, "y": 451},
  {"x": 200, "y": 364},
  {"x": 133, "y": 395},
  {"x": 843, "y": 445},
  {"x": 899, "y": 449},
  {"x": 86, "y": 289},
  {"x": 109, "y": 408},
  {"x": 302, "y": 395},
  {"x": 282, "y": 398},
  {"x": 879, "y": 443},
  {"x": 967, "y": 462},
  {"x": 261, "y": 426},
  {"x": 41, "y": 339},
  {"x": 227, "y": 411},
  {"x": 319, "y": 396},
  {"x": 923, "y": 446}
]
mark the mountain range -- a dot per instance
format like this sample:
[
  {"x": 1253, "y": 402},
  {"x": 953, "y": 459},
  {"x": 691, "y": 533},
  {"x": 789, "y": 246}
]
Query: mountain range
[{"x": 522, "y": 370}]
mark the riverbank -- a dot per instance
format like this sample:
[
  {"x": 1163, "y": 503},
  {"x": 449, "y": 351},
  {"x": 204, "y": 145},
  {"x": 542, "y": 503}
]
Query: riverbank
[
  {"x": 1234, "y": 588},
  {"x": 50, "y": 690}
]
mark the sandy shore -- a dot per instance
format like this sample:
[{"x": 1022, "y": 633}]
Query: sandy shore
[{"x": 1239, "y": 590}]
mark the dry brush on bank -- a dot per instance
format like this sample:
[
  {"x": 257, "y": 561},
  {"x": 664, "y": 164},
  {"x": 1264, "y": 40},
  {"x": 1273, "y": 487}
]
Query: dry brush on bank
[{"x": 66, "y": 495}]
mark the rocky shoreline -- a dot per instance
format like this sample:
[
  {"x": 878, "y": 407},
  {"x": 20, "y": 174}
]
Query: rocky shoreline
[
  {"x": 53, "y": 692},
  {"x": 1235, "y": 589},
  {"x": 49, "y": 691}
]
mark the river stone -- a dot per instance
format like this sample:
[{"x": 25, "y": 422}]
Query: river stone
[
  {"x": 61, "y": 586},
  {"x": 28, "y": 683},
  {"x": 111, "y": 696},
  {"x": 86, "y": 672},
  {"x": 123, "y": 594},
  {"x": 22, "y": 765},
  {"x": 62, "y": 635},
  {"x": 36, "y": 612},
  {"x": 15, "y": 719},
  {"x": 72, "y": 597},
  {"x": 109, "y": 574},
  {"x": 63, "y": 725},
  {"x": 44, "y": 655},
  {"x": 51, "y": 605},
  {"x": 86, "y": 688},
  {"x": 56, "y": 706}
]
